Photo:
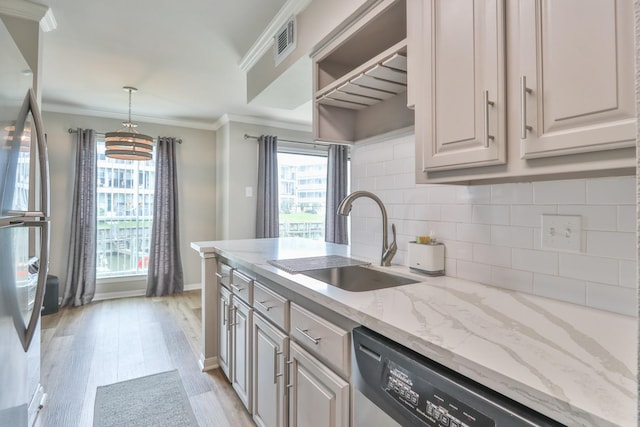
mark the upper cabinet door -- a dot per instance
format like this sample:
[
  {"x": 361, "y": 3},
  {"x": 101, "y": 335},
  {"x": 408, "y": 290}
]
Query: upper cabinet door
[
  {"x": 460, "y": 116},
  {"x": 577, "y": 76}
]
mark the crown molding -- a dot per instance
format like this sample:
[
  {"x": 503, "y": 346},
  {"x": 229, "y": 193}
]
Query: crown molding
[
  {"x": 262, "y": 121},
  {"x": 31, "y": 11},
  {"x": 78, "y": 111},
  {"x": 265, "y": 40}
]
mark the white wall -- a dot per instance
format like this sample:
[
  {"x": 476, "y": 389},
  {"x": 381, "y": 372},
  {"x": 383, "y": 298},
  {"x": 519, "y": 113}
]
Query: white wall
[
  {"x": 196, "y": 181},
  {"x": 492, "y": 232},
  {"x": 237, "y": 169}
]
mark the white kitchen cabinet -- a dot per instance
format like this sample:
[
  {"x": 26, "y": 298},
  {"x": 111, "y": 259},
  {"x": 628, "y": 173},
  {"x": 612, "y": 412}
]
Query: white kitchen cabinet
[
  {"x": 270, "y": 352},
  {"x": 241, "y": 354},
  {"x": 317, "y": 396},
  {"x": 565, "y": 101},
  {"x": 224, "y": 332},
  {"x": 460, "y": 113},
  {"x": 577, "y": 89}
]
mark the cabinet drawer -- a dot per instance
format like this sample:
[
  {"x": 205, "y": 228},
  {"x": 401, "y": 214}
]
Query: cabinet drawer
[
  {"x": 271, "y": 305},
  {"x": 324, "y": 339},
  {"x": 242, "y": 286},
  {"x": 224, "y": 274}
]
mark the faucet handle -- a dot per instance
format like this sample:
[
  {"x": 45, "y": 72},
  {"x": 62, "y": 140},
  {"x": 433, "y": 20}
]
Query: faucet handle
[{"x": 390, "y": 251}]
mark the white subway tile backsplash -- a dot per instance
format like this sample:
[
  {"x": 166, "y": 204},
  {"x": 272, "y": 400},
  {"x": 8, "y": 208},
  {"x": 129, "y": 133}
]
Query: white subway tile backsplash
[
  {"x": 492, "y": 233},
  {"x": 492, "y": 255},
  {"x": 612, "y": 298},
  {"x": 515, "y": 237},
  {"x": 457, "y": 213},
  {"x": 476, "y": 233},
  {"x": 535, "y": 261},
  {"x": 518, "y": 193},
  {"x": 594, "y": 217},
  {"x": 476, "y": 272},
  {"x": 628, "y": 274},
  {"x": 601, "y": 270},
  {"x": 627, "y": 218},
  {"x": 441, "y": 194},
  {"x": 530, "y": 215},
  {"x": 559, "y": 192},
  {"x": 618, "y": 191},
  {"x": 479, "y": 194},
  {"x": 491, "y": 214},
  {"x": 428, "y": 212},
  {"x": 560, "y": 288},
  {"x": 611, "y": 245},
  {"x": 516, "y": 280}
]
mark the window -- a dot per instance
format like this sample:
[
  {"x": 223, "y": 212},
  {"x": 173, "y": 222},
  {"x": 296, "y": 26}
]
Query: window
[
  {"x": 302, "y": 190},
  {"x": 125, "y": 212}
]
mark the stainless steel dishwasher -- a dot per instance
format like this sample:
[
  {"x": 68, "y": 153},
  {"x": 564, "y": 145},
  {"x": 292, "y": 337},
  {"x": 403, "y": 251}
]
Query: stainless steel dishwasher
[{"x": 396, "y": 386}]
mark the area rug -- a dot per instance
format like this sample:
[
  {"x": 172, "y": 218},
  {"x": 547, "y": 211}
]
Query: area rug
[{"x": 157, "y": 400}]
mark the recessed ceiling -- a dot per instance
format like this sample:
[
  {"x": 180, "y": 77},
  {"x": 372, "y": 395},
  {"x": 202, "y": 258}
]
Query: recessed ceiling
[{"x": 182, "y": 56}]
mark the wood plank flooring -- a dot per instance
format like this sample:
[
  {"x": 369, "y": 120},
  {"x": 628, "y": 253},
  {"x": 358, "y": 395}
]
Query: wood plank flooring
[{"x": 116, "y": 340}]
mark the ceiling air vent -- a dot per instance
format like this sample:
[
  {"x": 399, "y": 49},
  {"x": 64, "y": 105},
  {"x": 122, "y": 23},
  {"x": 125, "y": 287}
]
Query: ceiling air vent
[{"x": 285, "y": 40}]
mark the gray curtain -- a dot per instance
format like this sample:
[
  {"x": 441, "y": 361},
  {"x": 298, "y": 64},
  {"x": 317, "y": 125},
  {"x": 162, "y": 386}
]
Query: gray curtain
[
  {"x": 337, "y": 181},
  {"x": 81, "y": 267},
  {"x": 164, "y": 276},
  {"x": 267, "y": 219}
]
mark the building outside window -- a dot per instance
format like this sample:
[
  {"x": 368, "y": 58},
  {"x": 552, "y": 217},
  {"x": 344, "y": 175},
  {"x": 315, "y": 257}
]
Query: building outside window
[
  {"x": 125, "y": 212},
  {"x": 302, "y": 192}
]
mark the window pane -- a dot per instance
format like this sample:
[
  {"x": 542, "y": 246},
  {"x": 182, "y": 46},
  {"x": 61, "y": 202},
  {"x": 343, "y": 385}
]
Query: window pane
[
  {"x": 125, "y": 212},
  {"x": 302, "y": 189}
]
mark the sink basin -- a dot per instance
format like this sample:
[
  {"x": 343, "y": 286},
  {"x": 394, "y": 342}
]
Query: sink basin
[{"x": 356, "y": 278}]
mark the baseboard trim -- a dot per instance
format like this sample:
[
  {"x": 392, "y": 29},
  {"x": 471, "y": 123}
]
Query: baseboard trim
[
  {"x": 136, "y": 293},
  {"x": 208, "y": 364}
]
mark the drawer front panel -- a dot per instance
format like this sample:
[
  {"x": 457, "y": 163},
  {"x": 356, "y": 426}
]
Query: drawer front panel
[
  {"x": 321, "y": 337},
  {"x": 224, "y": 274},
  {"x": 242, "y": 286},
  {"x": 271, "y": 305}
]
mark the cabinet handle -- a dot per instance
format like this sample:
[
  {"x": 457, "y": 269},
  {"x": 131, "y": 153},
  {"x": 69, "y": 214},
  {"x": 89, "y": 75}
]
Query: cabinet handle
[
  {"x": 276, "y": 353},
  {"x": 487, "y": 104},
  {"x": 261, "y": 304},
  {"x": 306, "y": 335},
  {"x": 225, "y": 313},
  {"x": 236, "y": 288},
  {"x": 235, "y": 312},
  {"x": 287, "y": 386},
  {"x": 524, "y": 90}
]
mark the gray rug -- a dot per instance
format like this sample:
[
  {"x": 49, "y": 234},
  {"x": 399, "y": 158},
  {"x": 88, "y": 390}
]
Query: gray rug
[{"x": 157, "y": 400}]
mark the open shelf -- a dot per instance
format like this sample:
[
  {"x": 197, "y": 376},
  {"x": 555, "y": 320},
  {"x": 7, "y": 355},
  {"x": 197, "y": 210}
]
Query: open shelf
[{"x": 360, "y": 77}]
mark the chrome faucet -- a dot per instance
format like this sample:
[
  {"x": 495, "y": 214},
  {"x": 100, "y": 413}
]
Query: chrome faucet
[{"x": 388, "y": 251}]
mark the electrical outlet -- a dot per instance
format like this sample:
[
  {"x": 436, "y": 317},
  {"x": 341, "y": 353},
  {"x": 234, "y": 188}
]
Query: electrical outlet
[{"x": 562, "y": 232}]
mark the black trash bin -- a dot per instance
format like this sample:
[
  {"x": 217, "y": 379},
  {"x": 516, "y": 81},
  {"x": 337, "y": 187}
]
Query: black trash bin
[{"x": 50, "y": 303}]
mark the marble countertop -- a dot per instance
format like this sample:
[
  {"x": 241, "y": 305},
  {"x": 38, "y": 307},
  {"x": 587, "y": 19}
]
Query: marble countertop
[{"x": 573, "y": 363}]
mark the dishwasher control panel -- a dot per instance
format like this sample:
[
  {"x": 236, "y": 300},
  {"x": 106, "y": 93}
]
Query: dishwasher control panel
[{"x": 431, "y": 405}]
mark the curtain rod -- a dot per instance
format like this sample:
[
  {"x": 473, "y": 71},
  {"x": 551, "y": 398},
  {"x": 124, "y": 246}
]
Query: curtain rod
[
  {"x": 247, "y": 136},
  {"x": 71, "y": 130}
]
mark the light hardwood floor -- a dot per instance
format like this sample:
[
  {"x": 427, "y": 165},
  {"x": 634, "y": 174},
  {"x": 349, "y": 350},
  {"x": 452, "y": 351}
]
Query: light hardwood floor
[{"x": 116, "y": 340}]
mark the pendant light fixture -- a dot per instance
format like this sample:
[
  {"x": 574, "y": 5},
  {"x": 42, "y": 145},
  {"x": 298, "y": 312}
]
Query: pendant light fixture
[{"x": 127, "y": 143}]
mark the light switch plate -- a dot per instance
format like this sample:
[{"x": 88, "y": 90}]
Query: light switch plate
[
  {"x": 562, "y": 232},
  {"x": 248, "y": 191}
]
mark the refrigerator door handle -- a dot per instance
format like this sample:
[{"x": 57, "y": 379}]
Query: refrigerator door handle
[
  {"x": 26, "y": 335},
  {"x": 43, "y": 156}
]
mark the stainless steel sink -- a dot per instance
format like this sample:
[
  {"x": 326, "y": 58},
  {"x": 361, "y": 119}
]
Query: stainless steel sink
[{"x": 356, "y": 278}]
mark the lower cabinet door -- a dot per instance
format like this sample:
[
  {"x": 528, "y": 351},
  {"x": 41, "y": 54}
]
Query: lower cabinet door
[
  {"x": 270, "y": 347},
  {"x": 241, "y": 341},
  {"x": 224, "y": 331},
  {"x": 317, "y": 396}
]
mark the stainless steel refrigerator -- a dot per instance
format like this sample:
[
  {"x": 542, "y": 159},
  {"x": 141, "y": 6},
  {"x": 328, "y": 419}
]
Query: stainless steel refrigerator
[{"x": 24, "y": 237}]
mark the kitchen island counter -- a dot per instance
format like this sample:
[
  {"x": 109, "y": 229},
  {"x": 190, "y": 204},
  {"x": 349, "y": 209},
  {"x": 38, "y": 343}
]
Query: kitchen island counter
[{"x": 572, "y": 363}]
